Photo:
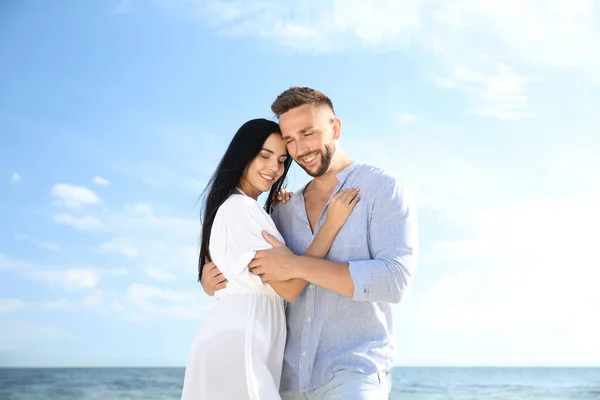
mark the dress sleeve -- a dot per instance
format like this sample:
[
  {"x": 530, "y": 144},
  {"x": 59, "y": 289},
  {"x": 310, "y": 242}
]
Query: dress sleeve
[{"x": 242, "y": 222}]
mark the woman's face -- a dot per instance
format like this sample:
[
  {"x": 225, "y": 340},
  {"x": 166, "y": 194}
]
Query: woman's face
[{"x": 266, "y": 168}]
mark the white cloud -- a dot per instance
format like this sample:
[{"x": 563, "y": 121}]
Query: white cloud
[
  {"x": 120, "y": 245},
  {"x": 523, "y": 35},
  {"x": 407, "y": 118},
  {"x": 49, "y": 246},
  {"x": 533, "y": 30},
  {"x": 150, "y": 181},
  {"x": 74, "y": 196},
  {"x": 160, "y": 247},
  {"x": 93, "y": 299},
  {"x": 138, "y": 208},
  {"x": 90, "y": 300},
  {"x": 528, "y": 266},
  {"x": 86, "y": 223},
  {"x": 63, "y": 304},
  {"x": 446, "y": 184},
  {"x": 444, "y": 83},
  {"x": 72, "y": 278},
  {"x": 8, "y": 263},
  {"x": 507, "y": 244},
  {"x": 15, "y": 177},
  {"x": 116, "y": 306},
  {"x": 151, "y": 302},
  {"x": 8, "y": 305},
  {"x": 159, "y": 274},
  {"x": 317, "y": 25},
  {"x": 501, "y": 92},
  {"x": 44, "y": 245},
  {"x": 28, "y": 330},
  {"x": 97, "y": 180}
]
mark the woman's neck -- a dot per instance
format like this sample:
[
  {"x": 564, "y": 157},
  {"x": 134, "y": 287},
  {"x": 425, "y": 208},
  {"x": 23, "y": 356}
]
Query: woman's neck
[{"x": 248, "y": 190}]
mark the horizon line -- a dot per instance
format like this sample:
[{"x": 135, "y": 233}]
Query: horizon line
[{"x": 183, "y": 366}]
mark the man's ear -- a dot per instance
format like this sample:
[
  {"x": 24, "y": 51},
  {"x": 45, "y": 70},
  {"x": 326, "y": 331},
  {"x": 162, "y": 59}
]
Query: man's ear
[{"x": 337, "y": 128}]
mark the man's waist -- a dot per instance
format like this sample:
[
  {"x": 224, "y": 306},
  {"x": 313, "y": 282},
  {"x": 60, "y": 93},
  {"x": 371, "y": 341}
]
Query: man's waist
[{"x": 295, "y": 379}]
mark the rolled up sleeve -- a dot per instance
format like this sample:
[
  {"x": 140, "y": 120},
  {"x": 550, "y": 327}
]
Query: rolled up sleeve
[{"x": 393, "y": 244}]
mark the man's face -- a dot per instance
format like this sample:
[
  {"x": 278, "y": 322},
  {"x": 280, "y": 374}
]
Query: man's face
[{"x": 309, "y": 134}]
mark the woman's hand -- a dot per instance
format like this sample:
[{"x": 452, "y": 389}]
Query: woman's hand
[
  {"x": 282, "y": 197},
  {"x": 340, "y": 207}
]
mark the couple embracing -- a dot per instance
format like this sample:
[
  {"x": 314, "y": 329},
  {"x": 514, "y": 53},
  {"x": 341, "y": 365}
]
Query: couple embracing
[{"x": 304, "y": 286}]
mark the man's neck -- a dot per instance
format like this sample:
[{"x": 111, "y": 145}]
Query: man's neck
[{"x": 326, "y": 183}]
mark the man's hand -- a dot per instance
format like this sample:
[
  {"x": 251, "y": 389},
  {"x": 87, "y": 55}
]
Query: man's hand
[
  {"x": 212, "y": 279},
  {"x": 276, "y": 264}
]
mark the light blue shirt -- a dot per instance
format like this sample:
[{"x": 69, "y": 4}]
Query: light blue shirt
[{"x": 327, "y": 331}]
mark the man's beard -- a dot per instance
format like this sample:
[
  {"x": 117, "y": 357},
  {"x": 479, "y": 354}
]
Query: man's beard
[{"x": 326, "y": 157}]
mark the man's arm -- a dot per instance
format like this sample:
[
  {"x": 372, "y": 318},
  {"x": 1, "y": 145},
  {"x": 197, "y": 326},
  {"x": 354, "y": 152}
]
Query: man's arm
[
  {"x": 394, "y": 242},
  {"x": 212, "y": 279},
  {"x": 328, "y": 274},
  {"x": 393, "y": 238}
]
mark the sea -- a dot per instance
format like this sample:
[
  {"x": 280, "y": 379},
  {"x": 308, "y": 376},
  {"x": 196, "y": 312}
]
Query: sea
[{"x": 409, "y": 383}]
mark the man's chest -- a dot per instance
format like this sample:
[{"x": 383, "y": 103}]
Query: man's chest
[
  {"x": 351, "y": 242},
  {"x": 314, "y": 208}
]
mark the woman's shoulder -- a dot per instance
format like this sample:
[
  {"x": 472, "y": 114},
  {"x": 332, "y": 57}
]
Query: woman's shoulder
[
  {"x": 243, "y": 215},
  {"x": 237, "y": 201},
  {"x": 238, "y": 205}
]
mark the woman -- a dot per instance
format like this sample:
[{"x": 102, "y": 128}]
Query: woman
[{"x": 238, "y": 352}]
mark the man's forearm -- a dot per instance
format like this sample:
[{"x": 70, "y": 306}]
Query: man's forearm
[{"x": 327, "y": 274}]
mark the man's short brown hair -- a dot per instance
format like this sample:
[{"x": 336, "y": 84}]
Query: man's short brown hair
[{"x": 299, "y": 96}]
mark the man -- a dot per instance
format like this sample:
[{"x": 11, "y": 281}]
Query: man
[{"x": 340, "y": 341}]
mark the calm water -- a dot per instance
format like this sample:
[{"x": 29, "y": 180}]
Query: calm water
[{"x": 409, "y": 383}]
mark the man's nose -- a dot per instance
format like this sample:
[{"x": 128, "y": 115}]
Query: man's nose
[{"x": 301, "y": 148}]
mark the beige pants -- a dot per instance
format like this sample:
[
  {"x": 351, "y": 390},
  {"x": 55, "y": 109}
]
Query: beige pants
[{"x": 348, "y": 385}]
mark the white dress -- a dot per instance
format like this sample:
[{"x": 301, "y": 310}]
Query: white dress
[{"x": 238, "y": 351}]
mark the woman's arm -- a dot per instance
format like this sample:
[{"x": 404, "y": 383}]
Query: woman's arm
[{"x": 338, "y": 211}]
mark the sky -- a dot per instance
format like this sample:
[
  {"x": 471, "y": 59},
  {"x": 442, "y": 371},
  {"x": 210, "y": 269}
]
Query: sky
[{"x": 113, "y": 114}]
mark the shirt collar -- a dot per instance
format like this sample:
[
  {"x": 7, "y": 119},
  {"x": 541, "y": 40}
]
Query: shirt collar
[
  {"x": 298, "y": 200},
  {"x": 343, "y": 174}
]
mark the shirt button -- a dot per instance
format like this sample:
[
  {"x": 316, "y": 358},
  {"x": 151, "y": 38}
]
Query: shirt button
[
  {"x": 311, "y": 286},
  {"x": 308, "y": 319},
  {"x": 303, "y": 354}
]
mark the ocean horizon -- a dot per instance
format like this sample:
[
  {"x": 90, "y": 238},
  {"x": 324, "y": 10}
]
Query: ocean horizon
[{"x": 409, "y": 383}]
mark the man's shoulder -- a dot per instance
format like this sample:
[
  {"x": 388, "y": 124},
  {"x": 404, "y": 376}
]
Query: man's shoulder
[
  {"x": 383, "y": 186},
  {"x": 378, "y": 176}
]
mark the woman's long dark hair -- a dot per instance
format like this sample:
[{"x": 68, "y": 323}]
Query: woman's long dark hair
[{"x": 244, "y": 147}]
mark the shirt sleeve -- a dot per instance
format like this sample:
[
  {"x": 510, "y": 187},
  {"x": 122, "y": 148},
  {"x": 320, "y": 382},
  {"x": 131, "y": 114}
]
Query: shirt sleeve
[
  {"x": 243, "y": 223},
  {"x": 393, "y": 244}
]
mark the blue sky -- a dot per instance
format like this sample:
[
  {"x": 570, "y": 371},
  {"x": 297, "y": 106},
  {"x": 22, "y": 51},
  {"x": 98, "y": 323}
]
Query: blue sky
[{"x": 114, "y": 113}]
